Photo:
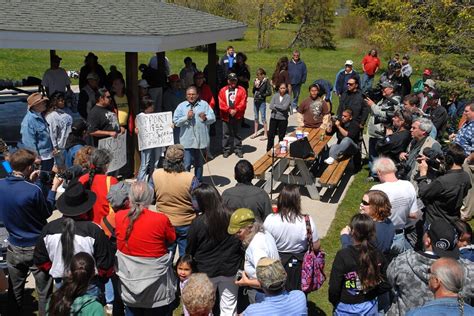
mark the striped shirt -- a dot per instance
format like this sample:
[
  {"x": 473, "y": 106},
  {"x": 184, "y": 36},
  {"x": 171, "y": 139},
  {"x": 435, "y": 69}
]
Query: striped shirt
[{"x": 284, "y": 304}]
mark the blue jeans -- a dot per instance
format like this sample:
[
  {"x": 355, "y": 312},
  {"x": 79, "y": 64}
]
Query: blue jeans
[
  {"x": 366, "y": 83},
  {"x": 260, "y": 107},
  {"x": 149, "y": 161},
  {"x": 194, "y": 157},
  {"x": 296, "y": 88},
  {"x": 346, "y": 146},
  {"x": 138, "y": 311},
  {"x": 109, "y": 292},
  {"x": 400, "y": 244},
  {"x": 181, "y": 240}
]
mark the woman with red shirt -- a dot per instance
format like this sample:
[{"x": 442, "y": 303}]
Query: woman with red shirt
[
  {"x": 144, "y": 265},
  {"x": 99, "y": 182}
]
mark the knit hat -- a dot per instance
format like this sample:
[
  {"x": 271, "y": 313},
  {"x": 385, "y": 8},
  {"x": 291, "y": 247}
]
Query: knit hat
[
  {"x": 35, "y": 99},
  {"x": 443, "y": 239},
  {"x": 271, "y": 274},
  {"x": 175, "y": 153},
  {"x": 118, "y": 194},
  {"x": 241, "y": 218}
]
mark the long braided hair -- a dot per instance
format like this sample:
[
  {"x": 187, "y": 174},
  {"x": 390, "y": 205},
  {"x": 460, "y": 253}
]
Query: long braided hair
[
  {"x": 140, "y": 197},
  {"x": 99, "y": 162}
]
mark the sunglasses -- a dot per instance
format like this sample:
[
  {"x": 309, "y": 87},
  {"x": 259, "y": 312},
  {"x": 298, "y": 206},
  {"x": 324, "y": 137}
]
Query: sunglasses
[
  {"x": 365, "y": 203},
  {"x": 350, "y": 84}
]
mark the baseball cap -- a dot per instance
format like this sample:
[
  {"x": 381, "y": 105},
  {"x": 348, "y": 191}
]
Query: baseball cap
[
  {"x": 349, "y": 62},
  {"x": 271, "y": 274},
  {"x": 173, "y": 78},
  {"x": 241, "y": 218},
  {"x": 92, "y": 76},
  {"x": 232, "y": 76},
  {"x": 427, "y": 72},
  {"x": 432, "y": 95},
  {"x": 443, "y": 239},
  {"x": 143, "y": 83},
  {"x": 387, "y": 84},
  {"x": 118, "y": 194},
  {"x": 430, "y": 83},
  {"x": 175, "y": 153}
]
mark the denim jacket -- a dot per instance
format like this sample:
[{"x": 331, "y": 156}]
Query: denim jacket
[{"x": 35, "y": 134}]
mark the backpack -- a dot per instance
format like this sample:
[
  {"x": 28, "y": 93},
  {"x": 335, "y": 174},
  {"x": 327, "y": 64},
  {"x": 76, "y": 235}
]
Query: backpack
[{"x": 312, "y": 268}]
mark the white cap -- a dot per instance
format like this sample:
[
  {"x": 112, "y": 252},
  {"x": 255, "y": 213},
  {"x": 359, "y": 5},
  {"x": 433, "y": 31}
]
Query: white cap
[
  {"x": 349, "y": 62},
  {"x": 143, "y": 83}
]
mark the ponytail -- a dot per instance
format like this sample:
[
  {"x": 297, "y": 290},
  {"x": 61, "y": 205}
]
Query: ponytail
[
  {"x": 82, "y": 269},
  {"x": 369, "y": 265},
  {"x": 140, "y": 197},
  {"x": 67, "y": 242}
]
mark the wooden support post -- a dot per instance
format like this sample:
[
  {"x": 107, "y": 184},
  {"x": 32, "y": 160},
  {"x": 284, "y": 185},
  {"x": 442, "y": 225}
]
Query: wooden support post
[
  {"x": 52, "y": 52},
  {"x": 212, "y": 69},
  {"x": 131, "y": 77}
]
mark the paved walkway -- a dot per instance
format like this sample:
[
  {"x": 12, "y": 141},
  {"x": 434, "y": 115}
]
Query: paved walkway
[{"x": 220, "y": 171}]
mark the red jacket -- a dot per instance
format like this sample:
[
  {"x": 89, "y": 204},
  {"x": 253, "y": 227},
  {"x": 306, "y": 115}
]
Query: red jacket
[
  {"x": 240, "y": 103},
  {"x": 206, "y": 95}
]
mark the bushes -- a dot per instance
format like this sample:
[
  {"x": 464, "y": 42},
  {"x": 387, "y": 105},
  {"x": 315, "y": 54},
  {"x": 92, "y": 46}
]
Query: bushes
[{"x": 353, "y": 26}]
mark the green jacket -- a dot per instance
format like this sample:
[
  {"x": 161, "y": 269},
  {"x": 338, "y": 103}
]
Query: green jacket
[{"x": 85, "y": 305}]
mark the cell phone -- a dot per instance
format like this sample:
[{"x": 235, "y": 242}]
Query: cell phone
[{"x": 238, "y": 275}]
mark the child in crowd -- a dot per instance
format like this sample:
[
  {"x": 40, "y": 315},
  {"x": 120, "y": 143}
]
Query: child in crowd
[
  {"x": 262, "y": 88},
  {"x": 466, "y": 248},
  {"x": 151, "y": 156},
  {"x": 184, "y": 269}
]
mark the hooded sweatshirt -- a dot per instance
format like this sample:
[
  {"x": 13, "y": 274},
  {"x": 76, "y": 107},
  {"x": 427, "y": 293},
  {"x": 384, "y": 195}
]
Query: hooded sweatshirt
[{"x": 408, "y": 274}]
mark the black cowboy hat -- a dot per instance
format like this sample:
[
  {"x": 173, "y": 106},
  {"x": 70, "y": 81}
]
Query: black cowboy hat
[{"x": 76, "y": 200}]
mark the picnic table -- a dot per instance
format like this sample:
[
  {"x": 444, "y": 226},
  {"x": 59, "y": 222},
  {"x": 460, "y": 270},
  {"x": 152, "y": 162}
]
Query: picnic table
[{"x": 282, "y": 161}]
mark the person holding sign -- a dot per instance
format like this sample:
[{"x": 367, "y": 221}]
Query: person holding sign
[
  {"x": 149, "y": 157},
  {"x": 101, "y": 120},
  {"x": 193, "y": 117}
]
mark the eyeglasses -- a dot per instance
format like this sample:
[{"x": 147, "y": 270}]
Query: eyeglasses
[
  {"x": 351, "y": 83},
  {"x": 365, "y": 203}
]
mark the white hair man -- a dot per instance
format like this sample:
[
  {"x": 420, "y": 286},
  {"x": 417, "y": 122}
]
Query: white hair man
[
  {"x": 402, "y": 196},
  {"x": 420, "y": 131},
  {"x": 446, "y": 280}
]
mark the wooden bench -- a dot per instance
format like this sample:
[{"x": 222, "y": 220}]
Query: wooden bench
[
  {"x": 262, "y": 165},
  {"x": 333, "y": 173}
]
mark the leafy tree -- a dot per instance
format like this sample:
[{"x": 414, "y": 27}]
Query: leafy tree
[
  {"x": 439, "y": 30},
  {"x": 315, "y": 29}
]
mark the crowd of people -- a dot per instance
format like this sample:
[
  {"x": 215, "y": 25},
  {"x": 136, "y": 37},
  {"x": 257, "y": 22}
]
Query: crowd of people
[{"x": 407, "y": 251}]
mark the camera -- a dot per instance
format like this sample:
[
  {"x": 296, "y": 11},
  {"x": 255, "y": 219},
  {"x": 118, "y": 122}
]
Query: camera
[
  {"x": 434, "y": 160},
  {"x": 238, "y": 275},
  {"x": 46, "y": 177}
]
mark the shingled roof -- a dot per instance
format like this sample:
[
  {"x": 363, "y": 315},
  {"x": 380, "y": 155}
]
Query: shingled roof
[{"x": 146, "y": 25}]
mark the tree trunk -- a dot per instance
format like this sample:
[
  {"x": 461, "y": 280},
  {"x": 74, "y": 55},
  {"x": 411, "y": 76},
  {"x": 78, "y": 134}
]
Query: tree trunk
[
  {"x": 298, "y": 33},
  {"x": 260, "y": 31}
]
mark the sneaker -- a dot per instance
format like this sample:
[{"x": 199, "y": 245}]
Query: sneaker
[
  {"x": 330, "y": 161},
  {"x": 226, "y": 154},
  {"x": 109, "y": 308},
  {"x": 239, "y": 154}
]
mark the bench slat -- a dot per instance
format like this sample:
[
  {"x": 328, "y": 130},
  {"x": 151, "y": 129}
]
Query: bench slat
[{"x": 335, "y": 173}]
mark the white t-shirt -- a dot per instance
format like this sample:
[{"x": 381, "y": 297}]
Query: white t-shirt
[
  {"x": 402, "y": 196},
  {"x": 289, "y": 237},
  {"x": 56, "y": 80},
  {"x": 262, "y": 246}
]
